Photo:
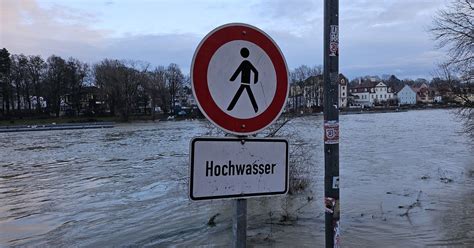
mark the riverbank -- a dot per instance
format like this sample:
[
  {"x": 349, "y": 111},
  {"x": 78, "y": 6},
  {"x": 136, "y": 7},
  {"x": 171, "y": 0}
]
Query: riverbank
[
  {"x": 54, "y": 126},
  {"x": 351, "y": 111},
  {"x": 54, "y": 120},
  {"x": 394, "y": 109},
  {"x": 74, "y": 120},
  {"x": 32, "y": 121}
]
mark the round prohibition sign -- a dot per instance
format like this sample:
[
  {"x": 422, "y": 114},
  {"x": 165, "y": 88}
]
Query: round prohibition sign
[{"x": 239, "y": 78}]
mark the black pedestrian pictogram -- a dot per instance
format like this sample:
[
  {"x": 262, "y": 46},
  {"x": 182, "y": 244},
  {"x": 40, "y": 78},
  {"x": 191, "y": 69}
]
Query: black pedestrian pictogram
[{"x": 245, "y": 68}]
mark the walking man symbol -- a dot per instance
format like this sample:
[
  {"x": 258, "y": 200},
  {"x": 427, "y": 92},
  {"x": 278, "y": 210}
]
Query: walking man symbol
[{"x": 245, "y": 68}]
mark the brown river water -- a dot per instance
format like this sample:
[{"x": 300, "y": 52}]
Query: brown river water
[{"x": 127, "y": 186}]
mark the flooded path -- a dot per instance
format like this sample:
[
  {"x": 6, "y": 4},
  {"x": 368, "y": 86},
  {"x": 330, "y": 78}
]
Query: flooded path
[{"x": 127, "y": 186}]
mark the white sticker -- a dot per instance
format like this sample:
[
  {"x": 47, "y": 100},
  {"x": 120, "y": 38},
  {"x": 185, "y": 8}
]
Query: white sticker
[
  {"x": 335, "y": 182},
  {"x": 334, "y": 40}
]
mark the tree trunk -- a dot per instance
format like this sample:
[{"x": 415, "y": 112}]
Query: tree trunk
[
  {"x": 153, "y": 105},
  {"x": 7, "y": 105},
  {"x": 18, "y": 99},
  {"x": 58, "y": 107},
  {"x": 38, "y": 103},
  {"x": 28, "y": 100}
]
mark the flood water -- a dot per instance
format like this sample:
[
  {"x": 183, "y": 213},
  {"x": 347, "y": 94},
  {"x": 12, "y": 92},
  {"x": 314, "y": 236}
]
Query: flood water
[{"x": 127, "y": 186}]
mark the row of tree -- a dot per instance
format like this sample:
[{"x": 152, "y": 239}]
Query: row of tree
[
  {"x": 25, "y": 78},
  {"x": 30, "y": 85},
  {"x": 129, "y": 84}
]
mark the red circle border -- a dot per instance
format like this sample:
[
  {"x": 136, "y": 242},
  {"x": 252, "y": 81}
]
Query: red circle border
[{"x": 199, "y": 68}]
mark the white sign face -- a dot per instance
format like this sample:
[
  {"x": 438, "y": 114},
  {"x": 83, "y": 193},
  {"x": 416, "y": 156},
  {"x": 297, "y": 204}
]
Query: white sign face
[
  {"x": 230, "y": 168},
  {"x": 241, "y": 79}
]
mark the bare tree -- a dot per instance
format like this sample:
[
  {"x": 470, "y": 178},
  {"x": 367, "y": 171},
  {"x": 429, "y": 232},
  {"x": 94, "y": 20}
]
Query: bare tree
[
  {"x": 75, "y": 75},
  {"x": 175, "y": 79},
  {"x": 453, "y": 28},
  {"x": 36, "y": 70},
  {"x": 156, "y": 88},
  {"x": 451, "y": 87},
  {"x": 55, "y": 83},
  {"x": 20, "y": 81},
  {"x": 303, "y": 72},
  {"x": 121, "y": 83},
  {"x": 5, "y": 67}
]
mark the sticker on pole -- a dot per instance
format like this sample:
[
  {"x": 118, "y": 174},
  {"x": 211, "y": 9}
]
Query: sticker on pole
[
  {"x": 239, "y": 79},
  {"x": 236, "y": 168},
  {"x": 331, "y": 132}
]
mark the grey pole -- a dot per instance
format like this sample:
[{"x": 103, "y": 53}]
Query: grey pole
[
  {"x": 239, "y": 227},
  {"x": 331, "y": 122}
]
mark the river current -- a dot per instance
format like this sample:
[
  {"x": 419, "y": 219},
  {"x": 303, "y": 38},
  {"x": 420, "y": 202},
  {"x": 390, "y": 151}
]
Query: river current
[{"x": 406, "y": 180}]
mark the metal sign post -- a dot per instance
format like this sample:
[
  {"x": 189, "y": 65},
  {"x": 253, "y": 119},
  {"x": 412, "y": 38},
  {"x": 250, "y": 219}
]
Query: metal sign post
[
  {"x": 331, "y": 122},
  {"x": 239, "y": 223},
  {"x": 239, "y": 226}
]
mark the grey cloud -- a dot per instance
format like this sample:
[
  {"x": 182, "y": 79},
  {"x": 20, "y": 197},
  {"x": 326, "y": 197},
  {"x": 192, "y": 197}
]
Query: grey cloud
[{"x": 376, "y": 38}]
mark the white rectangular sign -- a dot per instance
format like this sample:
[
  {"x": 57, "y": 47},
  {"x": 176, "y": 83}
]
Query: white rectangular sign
[{"x": 235, "y": 167}]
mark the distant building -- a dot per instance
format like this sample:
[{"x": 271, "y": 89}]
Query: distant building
[
  {"x": 406, "y": 96},
  {"x": 313, "y": 91},
  {"x": 296, "y": 100},
  {"x": 423, "y": 93},
  {"x": 23, "y": 104},
  {"x": 308, "y": 95},
  {"x": 90, "y": 101},
  {"x": 343, "y": 90},
  {"x": 370, "y": 93}
]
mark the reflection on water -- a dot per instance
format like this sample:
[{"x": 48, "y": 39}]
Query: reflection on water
[{"x": 127, "y": 186}]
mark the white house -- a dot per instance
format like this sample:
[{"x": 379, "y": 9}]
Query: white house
[
  {"x": 367, "y": 94},
  {"x": 382, "y": 93},
  {"x": 406, "y": 96}
]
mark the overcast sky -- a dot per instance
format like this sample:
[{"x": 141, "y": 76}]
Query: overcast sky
[{"x": 376, "y": 36}]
